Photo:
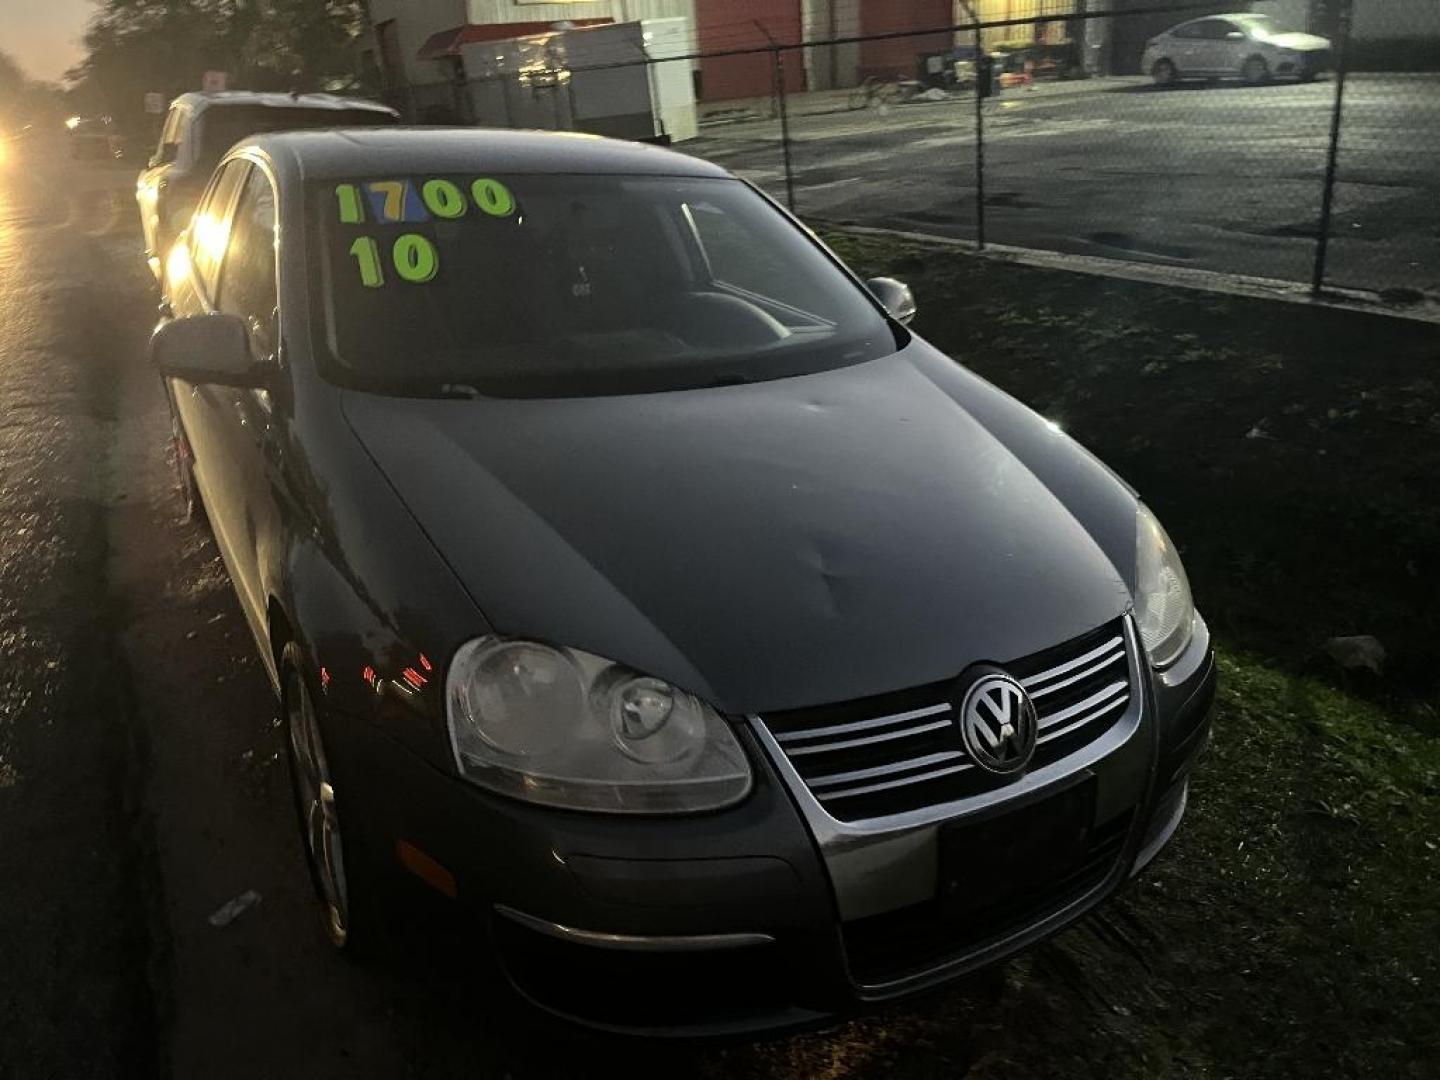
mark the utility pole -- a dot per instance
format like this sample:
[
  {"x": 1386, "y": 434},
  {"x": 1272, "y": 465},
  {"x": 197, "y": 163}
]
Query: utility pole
[
  {"x": 777, "y": 75},
  {"x": 1327, "y": 196}
]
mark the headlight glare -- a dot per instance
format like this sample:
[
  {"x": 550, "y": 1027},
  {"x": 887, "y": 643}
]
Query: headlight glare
[
  {"x": 1164, "y": 610},
  {"x": 564, "y": 728}
]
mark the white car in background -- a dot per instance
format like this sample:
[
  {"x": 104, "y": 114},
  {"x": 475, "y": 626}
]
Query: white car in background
[{"x": 1241, "y": 46}]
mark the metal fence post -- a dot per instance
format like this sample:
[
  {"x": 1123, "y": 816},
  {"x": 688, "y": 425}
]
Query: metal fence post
[
  {"x": 778, "y": 60},
  {"x": 1327, "y": 195},
  {"x": 980, "y": 58}
]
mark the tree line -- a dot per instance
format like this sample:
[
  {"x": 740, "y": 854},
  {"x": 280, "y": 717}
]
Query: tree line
[
  {"x": 21, "y": 100},
  {"x": 135, "y": 47}
]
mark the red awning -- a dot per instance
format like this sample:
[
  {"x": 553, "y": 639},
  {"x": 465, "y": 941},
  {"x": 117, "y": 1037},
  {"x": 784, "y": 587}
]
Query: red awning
[{"x": 448, "y": 42}]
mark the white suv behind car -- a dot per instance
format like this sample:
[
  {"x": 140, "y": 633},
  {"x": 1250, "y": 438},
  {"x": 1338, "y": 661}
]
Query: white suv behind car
[{"x": 1241, "y": 46}]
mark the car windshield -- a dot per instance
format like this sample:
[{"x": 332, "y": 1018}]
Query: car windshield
[
  {"x": 222, "y": 126},
  {"x": 1257, "y": 26},
  {"x": 558, "y": 285}
]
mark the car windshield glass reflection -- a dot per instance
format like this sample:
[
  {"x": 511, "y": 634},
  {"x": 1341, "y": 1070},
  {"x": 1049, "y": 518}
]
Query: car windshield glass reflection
[
  {"x": 1257, "y": 26},
  {"x": 560, "y": 285}
]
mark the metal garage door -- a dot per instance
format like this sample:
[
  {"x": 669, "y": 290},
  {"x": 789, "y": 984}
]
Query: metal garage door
[
  {"x": 732, "y": 24},
  {"x": 896, "y": 56}
]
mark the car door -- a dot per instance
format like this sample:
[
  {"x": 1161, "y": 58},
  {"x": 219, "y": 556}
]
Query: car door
[
  {"x": 247, "y": 287},
  {"x": 152, "y": 180},
  {"x": 1219, "y": 55},
  {"x": 1183, "y": 47}
]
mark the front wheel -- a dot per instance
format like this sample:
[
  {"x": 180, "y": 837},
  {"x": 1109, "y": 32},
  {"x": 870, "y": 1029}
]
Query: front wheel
[
  {"x": 1164, "y": 73},
  {"x": 1255, "y": 71},
  {"x": 349, "y": 900}
]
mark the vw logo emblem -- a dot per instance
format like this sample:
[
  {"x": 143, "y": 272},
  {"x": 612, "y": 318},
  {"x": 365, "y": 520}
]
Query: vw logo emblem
[{"x": 998, "y": 723}]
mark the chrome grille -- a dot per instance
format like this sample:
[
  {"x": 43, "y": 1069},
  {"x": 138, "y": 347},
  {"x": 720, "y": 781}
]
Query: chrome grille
[{"x": 899, "y": 752}]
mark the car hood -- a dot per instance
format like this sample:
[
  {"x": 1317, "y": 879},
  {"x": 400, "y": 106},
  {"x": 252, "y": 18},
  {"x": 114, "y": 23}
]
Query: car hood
[
  {"x": 766, "y": 546},
  {"x": 1298, "y": 42}
]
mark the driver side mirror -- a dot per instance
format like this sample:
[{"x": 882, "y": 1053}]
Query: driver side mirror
[
  {"x": 1235, "y": 35},
  {"x": 208, "y": 349},
  {"x": 895, "y": 297}
]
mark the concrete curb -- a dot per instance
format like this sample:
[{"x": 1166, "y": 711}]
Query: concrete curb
[{"x": 1182, "y": 277}]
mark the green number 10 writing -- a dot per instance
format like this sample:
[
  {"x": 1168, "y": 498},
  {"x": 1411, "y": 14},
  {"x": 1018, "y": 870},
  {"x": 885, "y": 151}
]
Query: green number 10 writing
[{"x": 414, "y": 257}]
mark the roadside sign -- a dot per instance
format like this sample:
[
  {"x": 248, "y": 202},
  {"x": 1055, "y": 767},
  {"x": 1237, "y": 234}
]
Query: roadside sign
[
  {"x": 155, "y": 103},
  {"x": 213, "y": 82}
]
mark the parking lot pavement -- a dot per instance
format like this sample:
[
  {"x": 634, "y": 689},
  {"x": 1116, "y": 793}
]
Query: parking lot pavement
[
  {"x": 830, "y": 102},
  {"x": 75, "y": 999},
  {"x": 1217, "y": 177}
]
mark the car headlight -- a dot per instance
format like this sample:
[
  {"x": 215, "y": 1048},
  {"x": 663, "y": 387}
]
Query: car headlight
[
  {"x": 1164, "y": 610},
  {"x": 564, "y": 728}
]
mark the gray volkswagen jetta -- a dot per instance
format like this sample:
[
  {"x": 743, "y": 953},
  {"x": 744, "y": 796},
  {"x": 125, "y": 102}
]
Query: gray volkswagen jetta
[{"x": 635, "y": 584}]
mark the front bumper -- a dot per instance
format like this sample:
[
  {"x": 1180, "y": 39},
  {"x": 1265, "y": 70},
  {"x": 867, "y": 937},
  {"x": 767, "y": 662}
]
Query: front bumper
[
  {"x": 770, "y": 915},
  {"x": 1306, "y": 64}
]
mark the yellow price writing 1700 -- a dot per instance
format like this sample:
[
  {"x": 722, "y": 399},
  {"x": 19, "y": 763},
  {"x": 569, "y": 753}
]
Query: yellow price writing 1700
[{"x": 392, "y": 201}]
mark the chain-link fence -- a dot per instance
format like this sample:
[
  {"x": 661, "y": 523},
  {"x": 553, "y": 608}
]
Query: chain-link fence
[
  {"x": 1384, "y": 226},
  {"x": 1295, "y": 140}
]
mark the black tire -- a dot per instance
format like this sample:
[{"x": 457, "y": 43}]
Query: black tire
[
  {"x": 1255, "y": 71},
  {"x": 347, "y": 884},
  {"x": 1165, "y": 73}
]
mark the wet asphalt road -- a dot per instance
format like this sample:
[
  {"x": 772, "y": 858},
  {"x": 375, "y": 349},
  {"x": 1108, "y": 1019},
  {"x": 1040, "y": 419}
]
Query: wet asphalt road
[
  {"x": 74, "y": 939},
  {"x": 1216, "y": 177}
]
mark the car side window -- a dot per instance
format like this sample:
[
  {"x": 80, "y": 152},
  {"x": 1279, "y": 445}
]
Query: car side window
[
  {"x": 247, "y": 277},
  {"x": 209, "y": 229},
  {"x": 170, "y": 133},
  {"x": 1189, "y": 30},
  {"x": 1216, "y": 29},
  {"x": 168, "y": 129}
]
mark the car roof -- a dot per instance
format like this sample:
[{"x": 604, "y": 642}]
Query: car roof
[
  {"x": 330, "y": 153},
  {"x": 1220, "y": 15},
  {"x": 200, "y": 102}
]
